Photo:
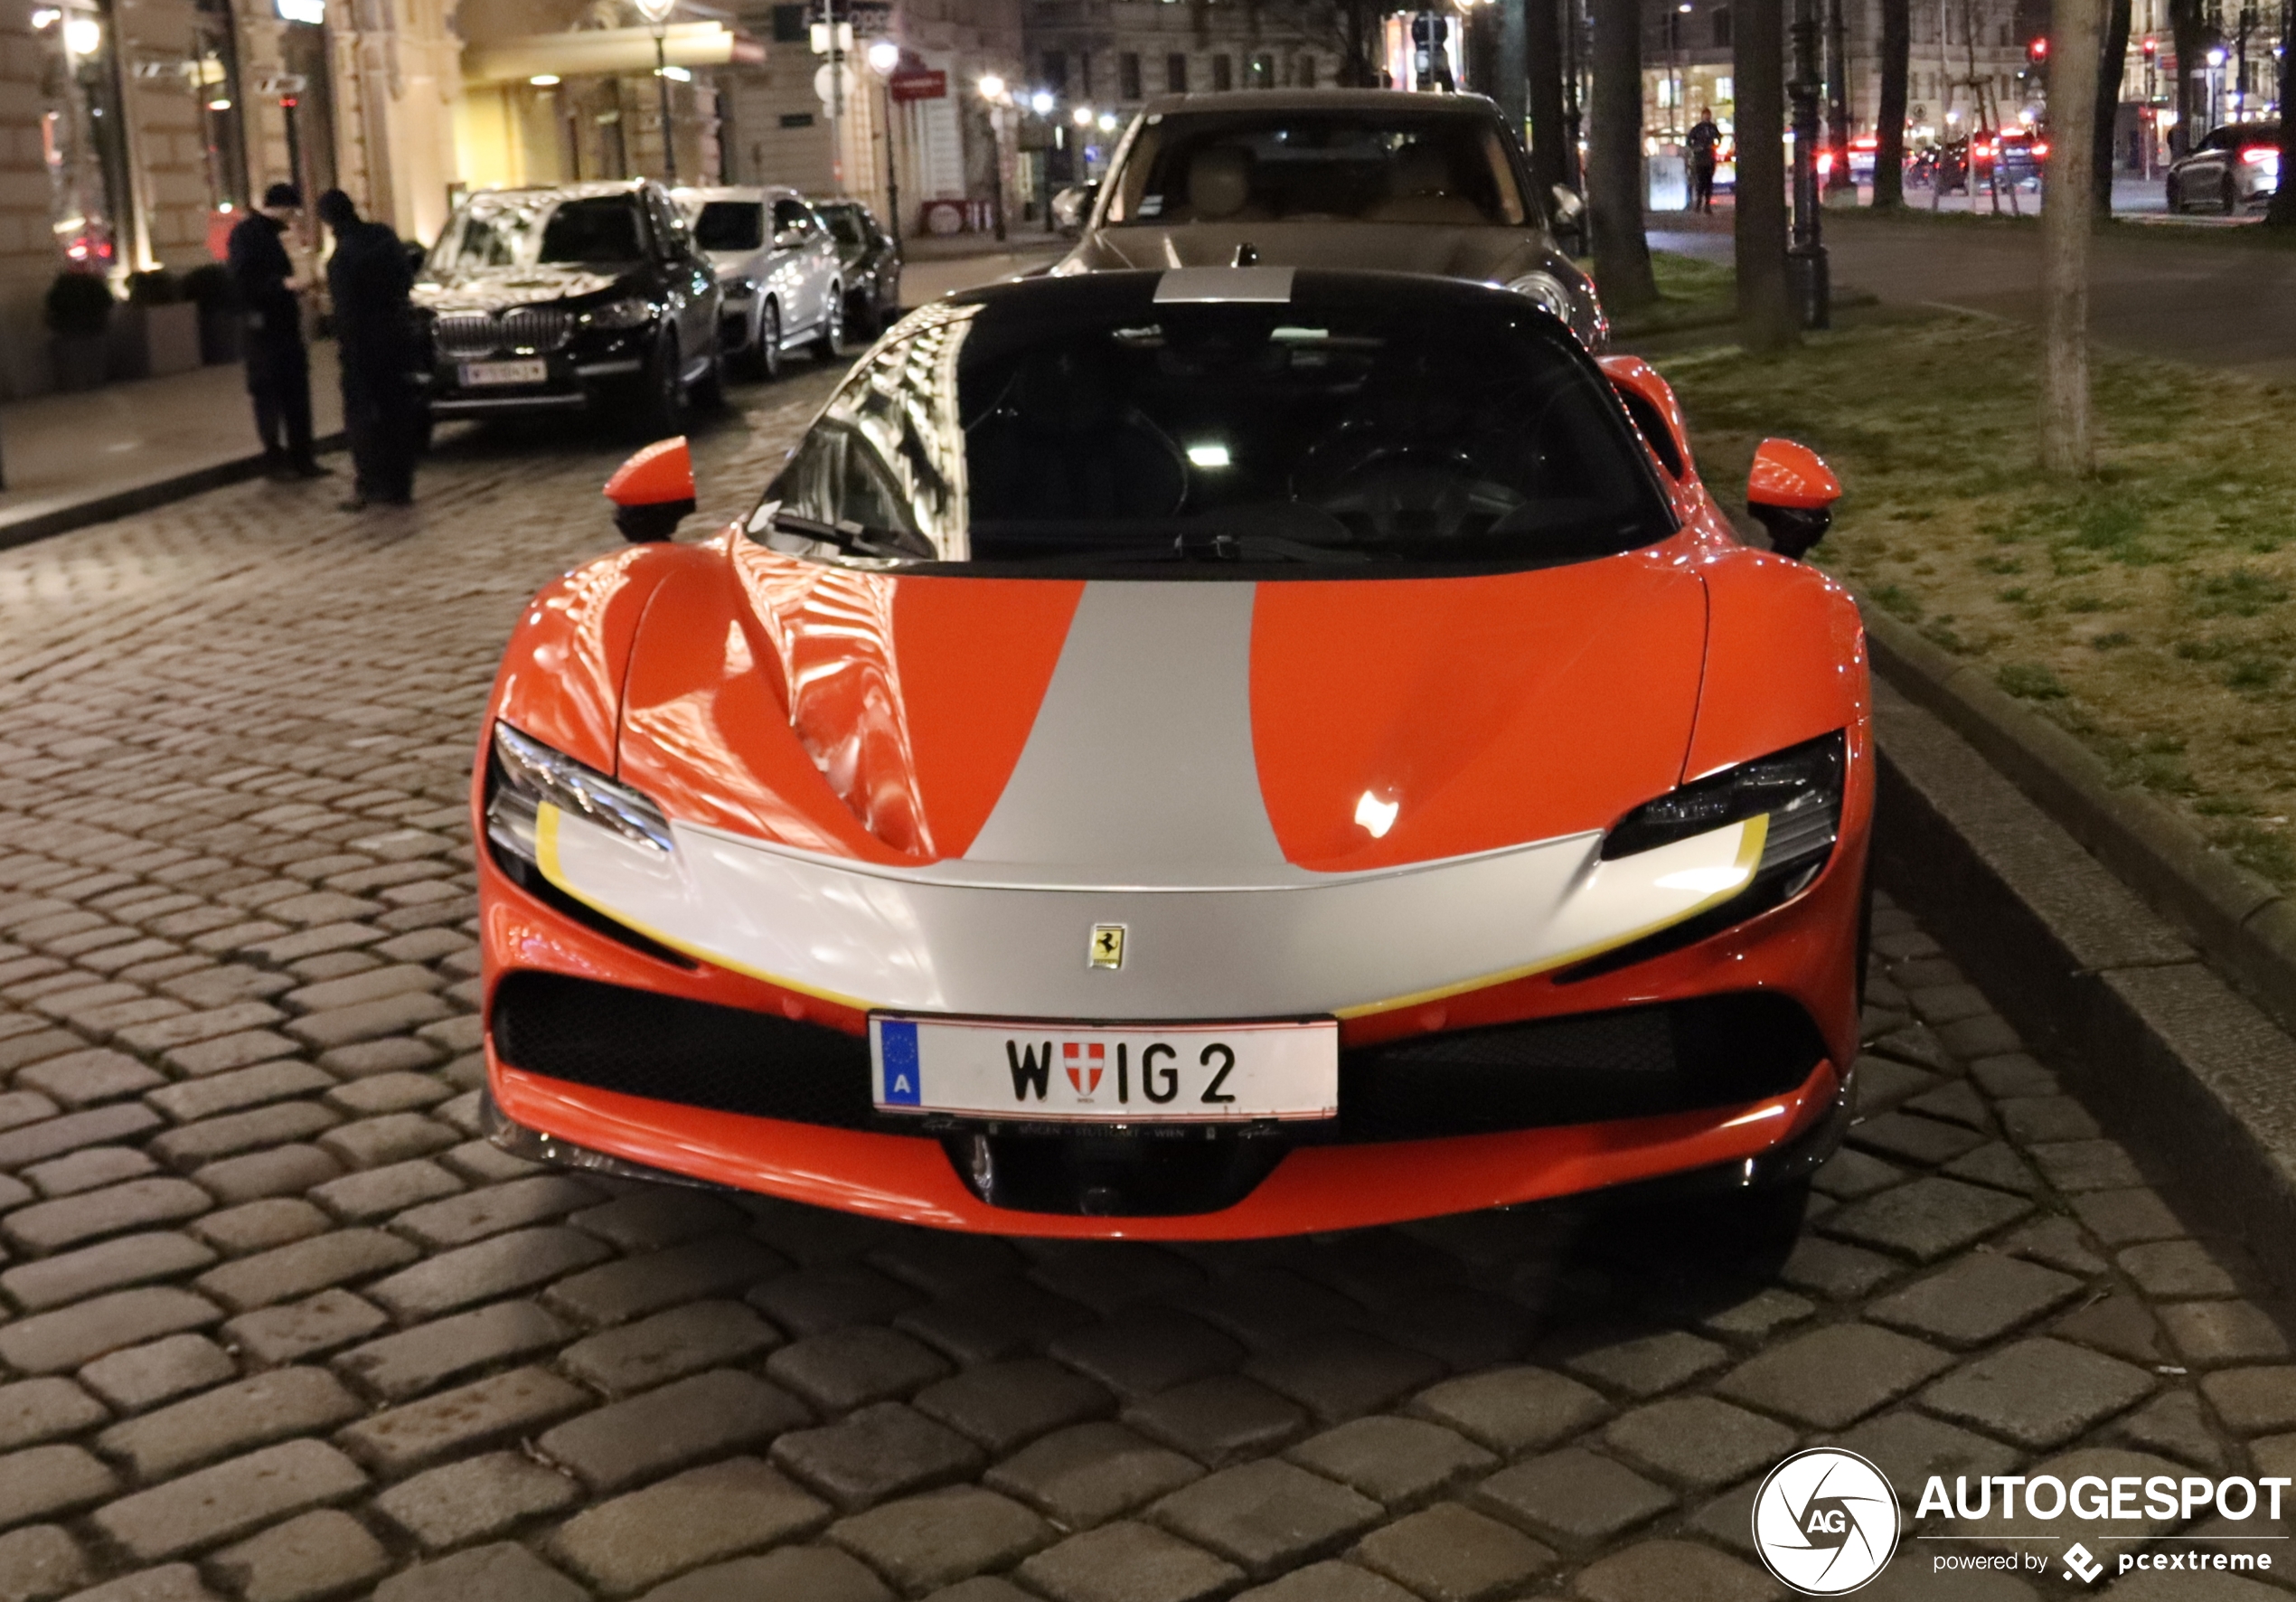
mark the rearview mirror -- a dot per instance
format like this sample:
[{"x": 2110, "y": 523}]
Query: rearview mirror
[
  {"x": 653, "y": 492},
  {"x": 1791, "y": 493},
  {"x": 1570, "y": 207}
]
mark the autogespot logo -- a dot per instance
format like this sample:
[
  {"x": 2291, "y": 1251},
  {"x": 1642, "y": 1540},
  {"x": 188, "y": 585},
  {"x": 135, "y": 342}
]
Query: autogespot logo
[{"x": 1825, "y": 1521}]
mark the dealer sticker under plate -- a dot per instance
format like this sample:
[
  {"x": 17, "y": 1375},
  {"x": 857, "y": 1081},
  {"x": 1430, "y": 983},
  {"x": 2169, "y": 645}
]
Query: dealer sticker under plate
[
  {"x": 505, "y": 372},
  {"x": 1116, "y": 1073}
]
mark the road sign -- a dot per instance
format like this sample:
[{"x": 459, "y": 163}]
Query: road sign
[{"x": 918, "y": 86}]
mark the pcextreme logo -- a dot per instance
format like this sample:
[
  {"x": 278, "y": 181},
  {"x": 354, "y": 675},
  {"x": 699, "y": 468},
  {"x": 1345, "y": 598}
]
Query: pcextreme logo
[{"x": 1825, "y": 1521}]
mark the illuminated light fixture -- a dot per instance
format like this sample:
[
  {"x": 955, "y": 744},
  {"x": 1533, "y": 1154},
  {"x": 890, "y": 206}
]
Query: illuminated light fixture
[
  {"x": 1705, "y": 881},
  {"x": 544, "y": 80},
  {"x": 2216, "y": 57},
  {"x": 1376, "y": 816},
  {"x": 219, "y": 105},
  {"x": 46, "y": 16},
  {"x": 1040, "y": 102},
  {"x": 884, "y": 57},
  {"x": 1209, "y": 455},
  {"x": 84, "y": 35},
  {"x": 1081, "y": 117},
  {"x": 313, "y": 12},
  {"x": 992, "y": 87},
  {"x": 656, "y": 12},
  {"x": 1107, "y": 122},
  {"x": 675, "y": 74}
]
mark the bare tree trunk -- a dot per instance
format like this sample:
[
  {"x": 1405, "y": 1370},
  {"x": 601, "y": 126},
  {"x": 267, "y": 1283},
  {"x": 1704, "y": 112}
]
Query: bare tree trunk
[
  {"x": 2282, "y": 211},
  {"x": 1767, "y": 320},
  {"x": 2189, "y": 34},
  {"x": 1889, "y": 117},
  {"x": 1549, "y": 138},
  {"x": 1837, "y": 99},
  {"x": 1615, "y": 152},
  {"x": 1513, "y": 66},
  {"x": 2067, "y": 449},
  {"x": 2112, "y": 60}
]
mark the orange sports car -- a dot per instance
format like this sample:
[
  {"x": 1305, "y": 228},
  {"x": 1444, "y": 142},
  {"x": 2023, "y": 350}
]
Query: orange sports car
[{"x": 1222, "y": 752}]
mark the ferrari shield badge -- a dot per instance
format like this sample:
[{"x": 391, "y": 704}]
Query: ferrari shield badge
[{"x": 1106, "y": 949}]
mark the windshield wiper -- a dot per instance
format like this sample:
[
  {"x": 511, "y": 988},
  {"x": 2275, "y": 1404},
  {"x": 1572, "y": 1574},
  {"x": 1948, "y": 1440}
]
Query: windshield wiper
[
  {"x": 857, "y": 539},
  {"x": 1261, "y": 548}
]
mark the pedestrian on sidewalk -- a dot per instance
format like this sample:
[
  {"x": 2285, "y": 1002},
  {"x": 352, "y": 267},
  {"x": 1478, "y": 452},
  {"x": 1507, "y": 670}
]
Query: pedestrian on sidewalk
[
  {"x": 1705, "y": 142},
  {"x": 368, "y": 278},
  {"x": 278, "y": 369}
]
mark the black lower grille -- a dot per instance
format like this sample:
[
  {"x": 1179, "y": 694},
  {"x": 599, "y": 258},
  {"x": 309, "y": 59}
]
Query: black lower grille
[
  {"x": 1587, "y": 1067},
  {"x": 665, "y": 1048}
]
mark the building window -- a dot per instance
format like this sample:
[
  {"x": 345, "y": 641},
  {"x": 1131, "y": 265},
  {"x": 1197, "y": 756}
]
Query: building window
[
  {"x": 1223, "y": 75},
  {"x": 215, "y": 70},
  {"x": 789, "y": 25},
  {"x": 83, "y": 140},
  {"x": 1128, "y": 75},
  {"x": 1307, "y": 72},
  {"x": 1176, "y": 74},
  {"x": 1261, "y": 73},
  {"x": 1721, "y": 27},
  {"x": 1056, "y": 71}
]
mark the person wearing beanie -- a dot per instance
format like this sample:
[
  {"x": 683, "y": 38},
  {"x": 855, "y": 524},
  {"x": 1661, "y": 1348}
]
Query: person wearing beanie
[
  {"x": 368, "y": 279},
  {"x": 278, "y": 369}
]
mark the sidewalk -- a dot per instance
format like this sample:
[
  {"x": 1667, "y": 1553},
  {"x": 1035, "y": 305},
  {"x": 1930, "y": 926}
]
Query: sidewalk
[{"x": 82, "y": 459}]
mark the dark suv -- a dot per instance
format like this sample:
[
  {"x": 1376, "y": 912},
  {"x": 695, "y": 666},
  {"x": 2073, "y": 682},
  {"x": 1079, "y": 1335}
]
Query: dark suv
[{"x": 580, "y": 296}]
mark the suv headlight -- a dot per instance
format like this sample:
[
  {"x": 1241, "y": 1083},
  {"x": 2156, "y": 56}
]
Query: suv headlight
[
  {"x": 634, "y": 313},
  {"x": 523, "y": 773},
  {"x": 1545, "y": 289},
  {"x": 1798, "y": 790}
]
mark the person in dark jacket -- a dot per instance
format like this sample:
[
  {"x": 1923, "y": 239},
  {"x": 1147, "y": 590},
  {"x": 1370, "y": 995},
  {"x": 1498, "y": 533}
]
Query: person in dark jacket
[
  {"x": 278, "y": 369},
  {"x": 1705, "y": 145},
  {"x": 368, "y": 278}
]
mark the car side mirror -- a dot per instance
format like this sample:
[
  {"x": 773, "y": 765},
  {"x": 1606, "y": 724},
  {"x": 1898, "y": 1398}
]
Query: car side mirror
[
  {"x": 1568, "y": 216},
  {"x": 1791, "y": 493},
  {"x": 653, "y": 492}
]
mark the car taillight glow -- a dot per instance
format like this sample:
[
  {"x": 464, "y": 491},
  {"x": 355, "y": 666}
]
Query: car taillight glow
[
  {"x": 2261, "y": 156},
  {"x": 2040, "y": 149}
]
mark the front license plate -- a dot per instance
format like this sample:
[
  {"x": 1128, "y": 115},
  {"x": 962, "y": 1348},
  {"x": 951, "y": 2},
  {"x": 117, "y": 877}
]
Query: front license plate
[
  {"x": 1113, "y": 1074},
  {"x": 505, "y": 372}
]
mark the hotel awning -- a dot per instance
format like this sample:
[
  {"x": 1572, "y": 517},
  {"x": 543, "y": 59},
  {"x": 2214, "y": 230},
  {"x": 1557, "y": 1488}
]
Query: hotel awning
[{"x": 596, "y": 53}]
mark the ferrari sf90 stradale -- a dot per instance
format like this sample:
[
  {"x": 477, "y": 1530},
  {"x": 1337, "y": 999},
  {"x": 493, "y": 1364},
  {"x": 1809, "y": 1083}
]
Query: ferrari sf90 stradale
[{"x": 1219, "y": 752}]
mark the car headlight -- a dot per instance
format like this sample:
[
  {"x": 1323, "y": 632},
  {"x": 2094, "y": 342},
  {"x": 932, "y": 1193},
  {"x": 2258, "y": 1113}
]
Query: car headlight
[
  {"x": 1798, "y": 789},
  {"x": 1545, "y": 289},
  {"x": 634, "y": 313},
  {"x": 738, "y": 289},
  {"x": 523, "y": 773}
]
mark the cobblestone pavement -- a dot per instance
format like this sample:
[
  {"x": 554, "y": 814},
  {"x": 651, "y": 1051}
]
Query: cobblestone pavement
[{"x": 278, "y": 1327}]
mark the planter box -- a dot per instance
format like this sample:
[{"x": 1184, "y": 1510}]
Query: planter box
[
  {"x": 223, "y": 334},
  {"x": 154, "y": 340},
  {"x": 81, "y": 360}
]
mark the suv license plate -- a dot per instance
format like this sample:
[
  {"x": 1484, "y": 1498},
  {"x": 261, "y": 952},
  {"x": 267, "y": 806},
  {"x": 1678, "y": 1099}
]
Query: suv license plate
[
  {"x": 505, "y": 372},
  {"x": 1107, "y": 1074}
]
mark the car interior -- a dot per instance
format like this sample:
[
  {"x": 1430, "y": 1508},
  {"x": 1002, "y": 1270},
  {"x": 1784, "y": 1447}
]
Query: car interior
[{"x": 1439, "y": 170}]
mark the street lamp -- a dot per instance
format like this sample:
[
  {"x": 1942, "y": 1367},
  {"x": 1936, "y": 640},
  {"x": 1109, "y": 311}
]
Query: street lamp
[
  {"x": 885, "y": 60},
  {"x": 656, "y": 14},
  {"x": 993, "y": 91}
]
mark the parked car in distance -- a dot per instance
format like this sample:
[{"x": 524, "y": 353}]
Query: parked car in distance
[
  {"x": 567, "y": 297},
  {"x": 2018, "y": 152},
  {"x": 1376, "y": 180},
  {"x": 778, "y": 265},
  {"x": 871, "y": 264},
  {"x": 2233, "y": 166}
]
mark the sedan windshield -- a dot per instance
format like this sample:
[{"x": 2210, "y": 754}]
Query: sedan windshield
[
  {"x": 731, "y": 225},
  {"x": 538, "y": 229},
  {"x": 1399, "y": 167},
  {"x": 845, "y": 223},
  {"x": 1366, "y": 423}
]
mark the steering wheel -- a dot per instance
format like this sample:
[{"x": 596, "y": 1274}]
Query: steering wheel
[{"x": 1415, "y": 493}]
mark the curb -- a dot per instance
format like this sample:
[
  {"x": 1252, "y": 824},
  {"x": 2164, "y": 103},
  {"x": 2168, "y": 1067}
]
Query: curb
[
  {"x": 2242, "y": 923},
  {"x": 2197, "y": 1083},
  {"x": 143, "y": 497}
]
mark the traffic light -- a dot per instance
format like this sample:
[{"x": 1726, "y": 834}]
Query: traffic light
[
  {"x": 2039, "y": 49},
  {"x": 2151, "y": 46}
]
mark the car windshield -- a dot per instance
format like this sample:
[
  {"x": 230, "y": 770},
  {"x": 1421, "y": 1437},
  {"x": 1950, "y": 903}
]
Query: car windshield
[
  {"x": 1365, "y": 423},
  {"x": 845, "y": 222},
  {"x": 731, "y": 225},
  {"x": 531, "y": 228},
  {"x": 1400, "y": 166}
]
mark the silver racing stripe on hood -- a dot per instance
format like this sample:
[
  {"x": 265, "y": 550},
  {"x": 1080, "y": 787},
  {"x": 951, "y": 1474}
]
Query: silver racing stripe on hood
[{"x": 1139, "y": 769}]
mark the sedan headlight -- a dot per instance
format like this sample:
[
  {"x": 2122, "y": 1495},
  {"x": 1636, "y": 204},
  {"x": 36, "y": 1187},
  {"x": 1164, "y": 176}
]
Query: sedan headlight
[
  {"x": 524, "y": 772},
  {"x": 738, "y": 289},
  {"x": 636, "y": 312},
  {"x": 1545, "y": 289},
  {"x": 1798, "y": 789}
]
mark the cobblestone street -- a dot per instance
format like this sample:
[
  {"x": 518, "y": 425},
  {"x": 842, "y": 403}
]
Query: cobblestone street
[{"x": 277, "y": 1325}]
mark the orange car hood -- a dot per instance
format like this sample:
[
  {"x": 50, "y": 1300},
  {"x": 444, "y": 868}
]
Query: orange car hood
[{"x": 1163, "y": 733}]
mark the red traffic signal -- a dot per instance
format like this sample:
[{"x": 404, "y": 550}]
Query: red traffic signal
[
  {"x": 2038, "y": 49},
  {"x": 2150, "y": 46}
]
